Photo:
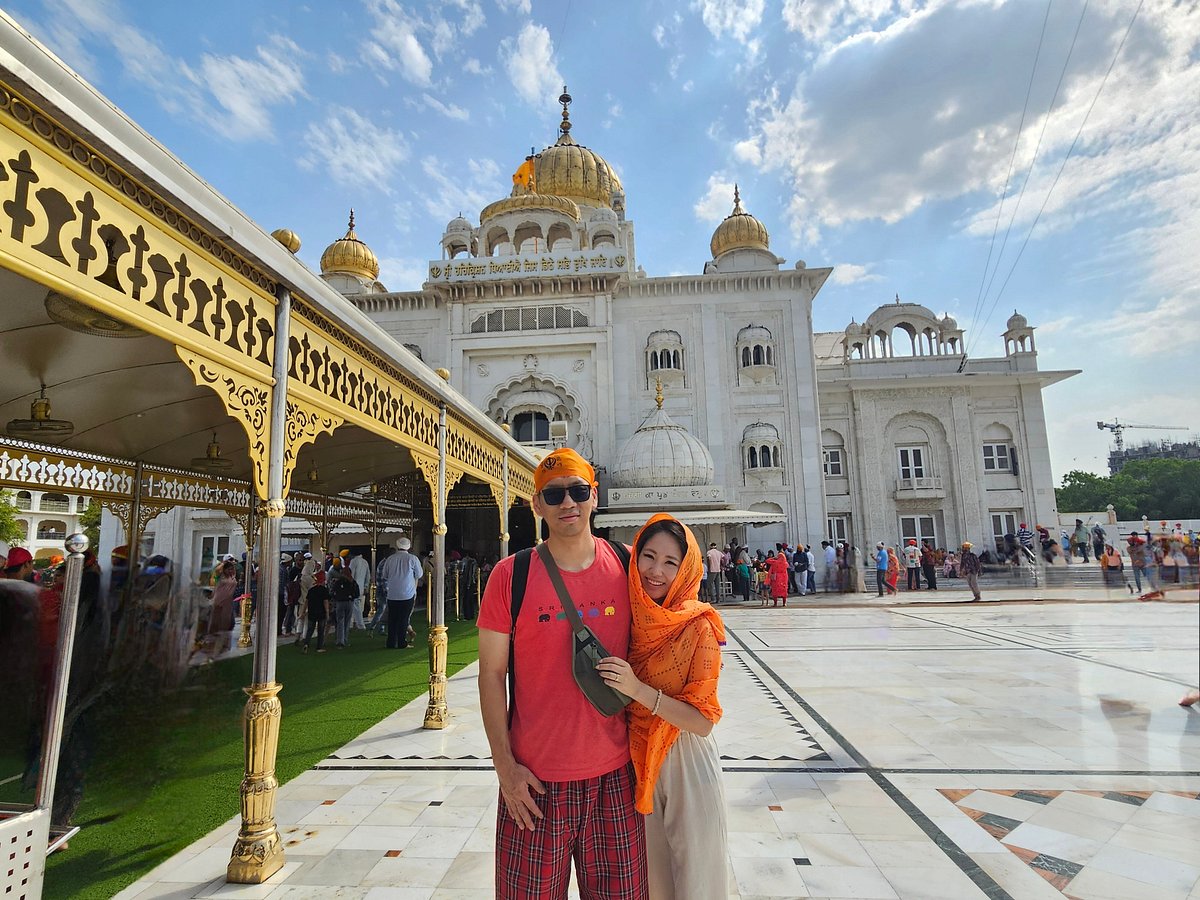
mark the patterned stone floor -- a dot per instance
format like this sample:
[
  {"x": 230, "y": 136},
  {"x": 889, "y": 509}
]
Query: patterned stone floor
[{"x": 1002, "y": 751}]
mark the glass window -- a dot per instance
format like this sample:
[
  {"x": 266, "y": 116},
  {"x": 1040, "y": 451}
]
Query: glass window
[
  {"x": 832, "y": 461},
  {"x": 918, "y": 528},
  {"x": 1002, "y": 523},
  {"x": 838, "y": 528},
  {"x": 996, "y": 458},
  {"x": 912, "y": 462},
  {"x": 529, "y": 427}
]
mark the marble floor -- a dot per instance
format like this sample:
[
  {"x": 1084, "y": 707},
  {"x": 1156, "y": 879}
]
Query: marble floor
[{"x": 959, "y": 751}]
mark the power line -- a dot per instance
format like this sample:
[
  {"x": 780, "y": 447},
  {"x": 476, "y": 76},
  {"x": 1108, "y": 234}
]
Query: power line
[
  {"x": 1032, "y": 163},
  {"x": 1070, "y": 150},
  {"x": 1008, "y": 175}
]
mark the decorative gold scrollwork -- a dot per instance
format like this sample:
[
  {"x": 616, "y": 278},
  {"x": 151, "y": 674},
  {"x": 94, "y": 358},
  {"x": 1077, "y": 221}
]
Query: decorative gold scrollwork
[
  {"x": 245, "y": 399},
  {"x": 303, "y": 426}
]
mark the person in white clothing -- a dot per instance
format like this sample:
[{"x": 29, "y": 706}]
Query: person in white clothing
[{"x": 360, "y": 571}]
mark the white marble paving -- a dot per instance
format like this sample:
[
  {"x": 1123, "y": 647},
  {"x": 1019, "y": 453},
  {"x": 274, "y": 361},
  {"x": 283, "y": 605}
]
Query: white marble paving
[{"x": 1049, "y": 696}]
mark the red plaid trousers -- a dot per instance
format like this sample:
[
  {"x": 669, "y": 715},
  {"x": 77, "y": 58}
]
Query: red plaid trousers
[{"x": 592, "y": 822}]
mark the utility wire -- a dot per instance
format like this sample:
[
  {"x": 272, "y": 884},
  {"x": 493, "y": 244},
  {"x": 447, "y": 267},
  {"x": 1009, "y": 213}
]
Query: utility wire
[
  {"x": 1008, "y": 175},
  {"x": 1070, "y": 150},
  {"x": 1033, "y": 162}
]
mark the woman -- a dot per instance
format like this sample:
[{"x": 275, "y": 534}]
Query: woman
[
  {"x": 674, "y": 663},
  {"x": 1112, "y": 566},
  {"x": 893, "y": 571},
  {"x": 777, "y": 572},
  {"x": 745, "y": 578},
  {"x": 220, "y": 620}
]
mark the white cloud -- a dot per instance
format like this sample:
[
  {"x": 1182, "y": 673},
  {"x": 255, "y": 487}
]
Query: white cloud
[
  {"x": 851, "y": 273},
  {"x": 354, "y": 151},
  {"x": 449, "y": 110},
  {"x": 818, "y": 21},
  {"x": 529, "y": 62},
  {"x": 403, "y": 273},
  {"x": 475, "y": 67},
  {"x": 748, "y": 151},
  {"x": 891, "y": 121},
  {"x": 449, "y": 193},
  {"x": 660, "y": 35},
  {"x": 246, "y": 89},
  {"x": 738, "y": 18},
  {"x": 524, "y": 7},
  {"x": 394, "y": 42},
  {"x": 717, "y": 201}
]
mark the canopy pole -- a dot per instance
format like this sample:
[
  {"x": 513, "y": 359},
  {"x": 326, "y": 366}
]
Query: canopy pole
[
  {"x": 504, "y": 504},
  {"x": 258, "y": 851},
  {"x": 437, "y": 712}
]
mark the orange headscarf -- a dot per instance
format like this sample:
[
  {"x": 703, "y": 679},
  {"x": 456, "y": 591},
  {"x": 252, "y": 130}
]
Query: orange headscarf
[
  {"x": 563, "y": 461},
  {"x": 675, "y": 647}
]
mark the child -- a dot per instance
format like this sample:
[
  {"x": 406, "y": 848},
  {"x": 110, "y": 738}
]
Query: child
[{"x": 316, "y": 611}]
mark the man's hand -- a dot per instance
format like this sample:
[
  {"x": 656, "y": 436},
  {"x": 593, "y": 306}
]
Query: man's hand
[{"x": 515, "y": 784}]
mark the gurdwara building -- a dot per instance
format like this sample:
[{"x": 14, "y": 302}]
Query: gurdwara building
[{"x": 709, "y": 394}]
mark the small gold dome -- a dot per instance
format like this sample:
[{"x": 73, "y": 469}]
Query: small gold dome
[
  {"x": 350, "y": 256},
  {"x": 531, "y": 201},
  {"x": 287, "y": 237},
  {"x": 568, "y": 169},
  {"x": 739, "y": 231}
]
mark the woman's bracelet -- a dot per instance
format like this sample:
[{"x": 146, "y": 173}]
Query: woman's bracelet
[{"x": 657, "y": 700}]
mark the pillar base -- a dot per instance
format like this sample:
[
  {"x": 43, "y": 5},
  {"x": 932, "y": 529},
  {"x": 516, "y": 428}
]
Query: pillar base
[
  {"x": 255, "y": 859},
  {"x": 437, "y": 713},
  {"x": 258, "y": 851}
]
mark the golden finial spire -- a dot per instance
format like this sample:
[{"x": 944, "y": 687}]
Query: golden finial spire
[
  {"x": 737, "y": 202},
  {"x": 351, "y": 227},
  {"x": 658, "y": 394},
  {"x": 565, "y": 100}
]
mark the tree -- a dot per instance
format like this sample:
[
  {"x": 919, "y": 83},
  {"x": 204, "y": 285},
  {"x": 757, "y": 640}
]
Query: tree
[
  {"x": 10, "y": 531},
  {"x": 1155, "y": 488},
  {"x": 89, "y": 523}
]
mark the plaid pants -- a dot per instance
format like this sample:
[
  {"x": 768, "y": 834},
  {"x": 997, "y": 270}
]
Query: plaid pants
[{"x": 591, "y": 821}]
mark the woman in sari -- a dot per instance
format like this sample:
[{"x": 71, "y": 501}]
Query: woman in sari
[
  {"x": 777, "y": 574},
  {"x": 674, "y": 663},
  {"x": 893, "y": 571}
]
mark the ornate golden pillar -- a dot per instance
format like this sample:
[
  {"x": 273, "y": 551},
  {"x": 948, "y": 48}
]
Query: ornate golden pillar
[{"x": 441, "y": 480}]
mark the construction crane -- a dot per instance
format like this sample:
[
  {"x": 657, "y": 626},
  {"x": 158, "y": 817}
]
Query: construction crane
[{"x": 1118, "y": 429}]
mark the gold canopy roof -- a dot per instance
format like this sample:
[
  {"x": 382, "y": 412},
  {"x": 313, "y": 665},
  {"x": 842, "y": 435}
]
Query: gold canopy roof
[
  {"x": 531, "y": 201},
  {"x": 348, "y": 255},
  {"x": 739, "y": 231}
]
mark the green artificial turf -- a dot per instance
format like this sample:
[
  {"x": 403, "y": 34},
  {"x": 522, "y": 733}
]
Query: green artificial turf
[{"x": 164, "y": 775}]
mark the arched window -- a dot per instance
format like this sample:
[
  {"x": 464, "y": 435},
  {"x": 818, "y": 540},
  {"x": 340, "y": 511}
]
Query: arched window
[
  {"x": 24, "y": 500},
  {"x": 664, "y": 357},
  {"x": 764, "y": 456},
  {"x": 23, "y": 525},
  {"x": 770, "y": 361},
  {"x": 653, "y": 361},
  {"x": 51, "y": 530},
  {"x": 752, "y": 460},
  {"x": 55, "y": 503},
  {"x": 759, "y": 359},
  {"x": 762, "y": 447},
  {"x": 745, "y": 357},
  {"x": 676, "y": 359},
  {"x": 664, "y": 353},
  {"x": 775, "y": 457}
]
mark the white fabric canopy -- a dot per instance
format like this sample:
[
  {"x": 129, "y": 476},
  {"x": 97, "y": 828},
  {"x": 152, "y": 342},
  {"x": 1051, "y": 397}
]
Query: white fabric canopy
[{"x": 692, "y": 517}]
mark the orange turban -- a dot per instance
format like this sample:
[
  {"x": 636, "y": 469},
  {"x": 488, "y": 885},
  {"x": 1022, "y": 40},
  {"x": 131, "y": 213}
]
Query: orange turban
[
  {"x": 563, "y": 461},
  {"x": 675, "y": 646}
]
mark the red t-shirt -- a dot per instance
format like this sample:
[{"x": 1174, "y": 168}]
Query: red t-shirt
[{"x": 555, "y": 731}]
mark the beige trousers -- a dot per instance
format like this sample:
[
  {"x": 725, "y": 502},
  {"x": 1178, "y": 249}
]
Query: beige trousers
[{"x": 687, "y": 834}]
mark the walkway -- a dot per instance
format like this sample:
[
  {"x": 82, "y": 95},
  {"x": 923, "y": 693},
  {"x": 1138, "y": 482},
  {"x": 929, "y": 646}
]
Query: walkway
[{"x": 960, "y": 751}]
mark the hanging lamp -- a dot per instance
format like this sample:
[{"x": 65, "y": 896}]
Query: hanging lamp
[
  {"x": 39, "y": 426},
  {"x": 212, "y": 461}
]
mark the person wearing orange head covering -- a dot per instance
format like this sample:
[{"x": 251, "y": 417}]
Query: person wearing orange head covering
[{"x": 674, "y": 663}]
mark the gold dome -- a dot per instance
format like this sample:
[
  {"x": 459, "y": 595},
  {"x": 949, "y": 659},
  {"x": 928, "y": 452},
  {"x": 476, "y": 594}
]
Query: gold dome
[
  {"x": 350, "y": 256},
  {"x": 288, "y": 238},
  {"x": 739, "y": 231},
  {"x": 568, "y": 169},
  {"x": 531, "y": 201}
]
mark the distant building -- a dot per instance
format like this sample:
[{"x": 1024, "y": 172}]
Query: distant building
[{"x": 1152, "y": 450}]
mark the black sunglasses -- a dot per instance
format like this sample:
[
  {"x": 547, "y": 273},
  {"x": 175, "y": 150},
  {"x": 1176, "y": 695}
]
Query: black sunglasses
[{"x": 556, "y": 495}]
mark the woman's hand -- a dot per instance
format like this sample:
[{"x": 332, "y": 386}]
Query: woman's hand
[{"x": 617, "y": 673}]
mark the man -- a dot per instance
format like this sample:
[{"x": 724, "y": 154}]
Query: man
[
  {"x": 19, "y": 565},
  {"x": 401, "y": 572},
  {"x": 566, "y": 782},
  {"x": 800, "y": 569},
  {"x": 929, "y": 565},
  {"x": 881, "y": 565},
  {"x": 360, "y": 571},
  {"x": 1099, "y": 538},
  {"x": 1025, "y": 539},
  {"x": 712, "y": 562},
  {"x": 343, "y": 590},
  {"x": 912, "y": 564},
  {"x": 970, "y": 568},
  {"x": 1079, "y": 539},
  {"x": 830, "y": 553},
  {"x": 810, "y": 562},
  {"x": 316, "y": 613}
]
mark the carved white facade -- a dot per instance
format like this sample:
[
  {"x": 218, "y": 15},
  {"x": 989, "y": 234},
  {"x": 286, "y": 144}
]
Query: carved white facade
[{"x": 542, "y": 315}]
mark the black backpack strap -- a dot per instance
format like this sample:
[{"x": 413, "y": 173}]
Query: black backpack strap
[
  {"x": 622, "y": 553},
  {"x": 520, "y": 578}
]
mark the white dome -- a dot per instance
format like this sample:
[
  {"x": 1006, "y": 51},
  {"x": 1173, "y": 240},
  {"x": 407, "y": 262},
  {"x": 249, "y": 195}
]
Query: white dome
[
  {"x": 459, "y": 225},
  {"x": 1016, "y": 321},
  {"x": 760, "y": 431},
  {"x": 603, "y": 214},
  {"x": 662, "y": 454},
  {"x": 949, "y": 323},
  {"x": 752, "y": 332}
]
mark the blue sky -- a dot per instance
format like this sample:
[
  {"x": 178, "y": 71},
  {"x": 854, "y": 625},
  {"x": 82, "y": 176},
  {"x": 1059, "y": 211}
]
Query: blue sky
[{"x": 876, "y": 136}]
